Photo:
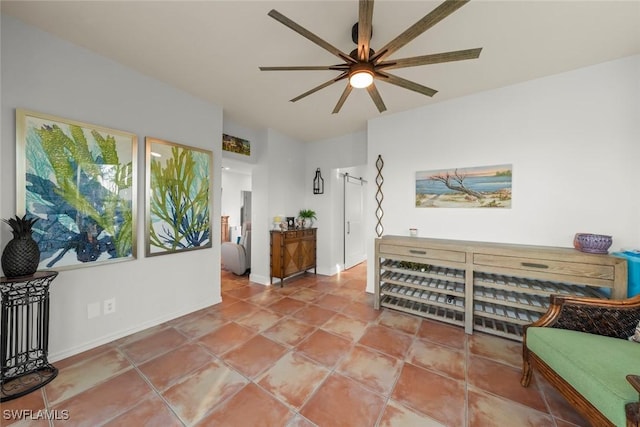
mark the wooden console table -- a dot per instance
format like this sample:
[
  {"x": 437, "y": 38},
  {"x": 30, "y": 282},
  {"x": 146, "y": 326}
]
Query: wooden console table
[
  {"x": 24, "y": 341},
  {"x": 292, "y": 252}
]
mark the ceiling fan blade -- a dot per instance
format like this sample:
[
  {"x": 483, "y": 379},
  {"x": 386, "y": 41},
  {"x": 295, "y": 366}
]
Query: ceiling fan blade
[
  {"x": 375, "y": 96},
  {"x": 322, "y": 86},
  {"x": 429, "y": 20},
  {"x": 365, "y": 22},
  {"x": 458, "y": 55},
  {"x": 309, "y": 35},
  {"x": 407, "y": 84},
  {"x": 306, "y": 68},
  {"x": 343, "y": 97}
]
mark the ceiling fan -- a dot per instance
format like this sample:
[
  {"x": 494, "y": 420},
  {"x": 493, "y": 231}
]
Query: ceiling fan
[{"x": 363, "y": 65}]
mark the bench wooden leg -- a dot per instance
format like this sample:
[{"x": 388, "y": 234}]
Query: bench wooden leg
[
  {"x": 526, "y": 374},
  {"x": 633, "y": 414},
  {"x": 526, "y": 368}
]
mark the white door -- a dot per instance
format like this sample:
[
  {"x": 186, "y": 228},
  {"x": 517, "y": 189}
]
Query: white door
[{"x": 354, "y": 247}]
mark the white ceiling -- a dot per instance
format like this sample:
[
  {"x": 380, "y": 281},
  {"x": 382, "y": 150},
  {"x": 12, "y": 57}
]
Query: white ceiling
[{"x": 212, "y": 49}]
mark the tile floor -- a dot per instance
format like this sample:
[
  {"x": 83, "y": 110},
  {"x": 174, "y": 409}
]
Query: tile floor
[{"x": 314, "y": 352}]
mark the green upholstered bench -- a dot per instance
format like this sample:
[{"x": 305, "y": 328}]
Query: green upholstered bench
[{"x": 580, "y": 346}]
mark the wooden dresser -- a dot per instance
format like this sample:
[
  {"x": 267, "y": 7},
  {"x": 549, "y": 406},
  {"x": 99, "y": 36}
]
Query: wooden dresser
[
  {"x": 490, "y": 287},
  {"x": 292, "y": 252}
]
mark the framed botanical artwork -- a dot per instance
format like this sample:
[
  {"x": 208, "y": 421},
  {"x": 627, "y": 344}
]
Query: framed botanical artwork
[
  {"x": 178, "y": 200},
  {"x": 474, "y": 187},
  {"x": 233, "y": 144},
  {"x": 79, "y": 180}
]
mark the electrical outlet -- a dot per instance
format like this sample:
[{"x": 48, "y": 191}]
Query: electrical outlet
[
  {"x": 109, "y": 306},
  {"x": 93, "y": 310}
]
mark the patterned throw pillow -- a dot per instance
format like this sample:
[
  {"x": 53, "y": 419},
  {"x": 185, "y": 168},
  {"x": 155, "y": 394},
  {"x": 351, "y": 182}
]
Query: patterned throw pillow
[{"x": 636, "y": 336}]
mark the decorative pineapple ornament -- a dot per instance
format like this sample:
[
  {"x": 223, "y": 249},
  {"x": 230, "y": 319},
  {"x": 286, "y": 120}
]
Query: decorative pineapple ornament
[{"x": 21, "y": 256}]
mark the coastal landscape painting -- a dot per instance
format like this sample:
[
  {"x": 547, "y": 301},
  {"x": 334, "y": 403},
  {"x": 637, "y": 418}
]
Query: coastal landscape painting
[{"x": 472, "y": 187}]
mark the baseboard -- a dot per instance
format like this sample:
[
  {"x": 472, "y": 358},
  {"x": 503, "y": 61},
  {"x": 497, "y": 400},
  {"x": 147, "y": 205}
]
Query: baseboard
[
  {"x": 53, "y": 357},
  {"x": 262, "y": 280},
  {"x": 329, "y": 271}
]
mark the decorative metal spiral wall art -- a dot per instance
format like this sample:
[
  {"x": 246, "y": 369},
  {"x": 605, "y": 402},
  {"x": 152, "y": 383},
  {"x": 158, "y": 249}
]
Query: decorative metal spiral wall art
[{"x": 379, "y": 196}]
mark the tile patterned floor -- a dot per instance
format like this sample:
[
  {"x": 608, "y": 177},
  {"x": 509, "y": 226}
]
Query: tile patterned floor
[{"x": 313, "y": 353}]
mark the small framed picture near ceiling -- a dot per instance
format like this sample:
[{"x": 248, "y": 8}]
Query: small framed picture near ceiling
[
  {"x": 177, "y": 199},
  {"x": 237, "y": 145},
  {"x": 79, "y": 180},
  {"x": 472, "y": 187}
]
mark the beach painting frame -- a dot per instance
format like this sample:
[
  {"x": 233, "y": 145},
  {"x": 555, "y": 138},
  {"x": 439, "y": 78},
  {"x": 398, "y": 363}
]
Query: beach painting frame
[
  {"x": 178, "y": 201},
  {"x": 80, "y": 181},
  {"x": 469, "y": 187},
  {"x": 233, "y": 144}
]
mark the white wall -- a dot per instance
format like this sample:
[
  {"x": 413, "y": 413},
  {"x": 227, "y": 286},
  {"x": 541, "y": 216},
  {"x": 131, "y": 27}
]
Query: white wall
[
  {"x": 277, "y": 189},
  {"x": 573, "y": 141},
  {"x": 331, "y": 156},
  {"x": 282, "y": 183},
  {"x": 260, "y": 221},
  {"x": 277, "y": 165},
  {"x": 45, "y": 74}
]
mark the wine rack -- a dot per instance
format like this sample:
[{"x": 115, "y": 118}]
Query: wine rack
[
  {"x": 489, "y": 287},
  {"x": 423, "y": 289}
]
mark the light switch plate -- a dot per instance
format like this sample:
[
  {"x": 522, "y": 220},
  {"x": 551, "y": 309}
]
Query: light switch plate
[{"x": 93, "y": 310}]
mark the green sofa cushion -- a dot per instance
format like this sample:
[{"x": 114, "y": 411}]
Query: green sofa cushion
[{"x": 596, "y": 366}]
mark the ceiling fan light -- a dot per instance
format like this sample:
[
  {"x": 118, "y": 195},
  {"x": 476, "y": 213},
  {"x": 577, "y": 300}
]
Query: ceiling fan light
[{"x": 361, "y": 79}]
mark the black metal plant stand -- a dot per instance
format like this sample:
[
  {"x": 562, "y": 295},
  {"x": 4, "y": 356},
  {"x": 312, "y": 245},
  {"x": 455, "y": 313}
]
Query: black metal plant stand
[{"x": 24, "y": 341}]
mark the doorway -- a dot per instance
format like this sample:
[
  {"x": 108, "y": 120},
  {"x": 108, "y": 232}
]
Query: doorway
[
  {"x": 236, "y": 197},
  {"x": 353, "y": 225},
  {"x": 245, "y": 210}
]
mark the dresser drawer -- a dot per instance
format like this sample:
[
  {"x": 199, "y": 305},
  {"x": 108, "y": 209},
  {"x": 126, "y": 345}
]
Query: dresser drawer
[
  {"x": 545, "y": 266},
  {"x": 426, "y": 253}
]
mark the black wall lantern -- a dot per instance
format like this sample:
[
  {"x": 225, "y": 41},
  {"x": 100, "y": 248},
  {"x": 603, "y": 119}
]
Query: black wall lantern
[{"x": 318, "y": 183}]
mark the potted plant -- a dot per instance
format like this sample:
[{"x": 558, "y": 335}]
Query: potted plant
[{"x": 307, "y": 215}]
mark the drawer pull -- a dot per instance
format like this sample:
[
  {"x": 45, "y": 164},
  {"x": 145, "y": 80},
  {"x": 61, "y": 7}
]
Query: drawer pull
[
  {"x": 413, "y": 251},
  {"x": 534, "y": 265}
]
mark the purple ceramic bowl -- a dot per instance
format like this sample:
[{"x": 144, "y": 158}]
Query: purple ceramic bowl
[{"x": 592, "y": 243}]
